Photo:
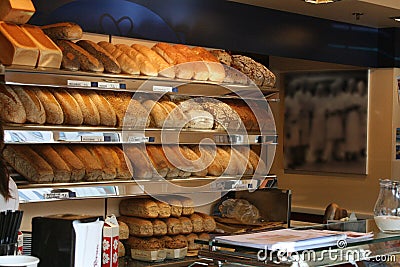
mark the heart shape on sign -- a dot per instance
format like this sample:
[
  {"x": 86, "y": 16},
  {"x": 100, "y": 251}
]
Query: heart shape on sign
[{"x": 123, "y": 26}]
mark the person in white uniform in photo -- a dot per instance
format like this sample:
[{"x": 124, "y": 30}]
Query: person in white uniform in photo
[{"x": 9, "y": 199}]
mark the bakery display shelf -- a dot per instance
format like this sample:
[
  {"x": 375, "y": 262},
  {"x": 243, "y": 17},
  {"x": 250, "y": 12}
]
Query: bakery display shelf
[
  {"x": 23, "y": 134},
  {"x": 123, "y": 188},
  {"x": 22, "y": 75},
  {"x": 187, "y": 261}
]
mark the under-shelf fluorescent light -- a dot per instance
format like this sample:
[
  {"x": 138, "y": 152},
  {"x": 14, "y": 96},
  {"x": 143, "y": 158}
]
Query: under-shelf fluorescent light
[
  {"x": 396, "y": 19},
  {"x": 320, "y": 1}
]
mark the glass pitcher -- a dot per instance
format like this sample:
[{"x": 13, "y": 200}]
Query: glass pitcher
[{"x": 387, "y": 207}]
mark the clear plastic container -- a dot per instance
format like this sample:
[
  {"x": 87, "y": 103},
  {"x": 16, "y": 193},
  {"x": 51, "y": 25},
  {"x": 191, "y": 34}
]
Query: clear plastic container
[{"x": 387, "y": 207}]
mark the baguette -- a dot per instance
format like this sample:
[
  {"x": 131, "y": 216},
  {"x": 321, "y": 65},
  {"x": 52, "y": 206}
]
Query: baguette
[
  {"x": 127, "y": 64},
  {"x": 28, "y": 163},
  {"x": 163, "y": 68},
  {"x": 109, "y": 62},
  {"x": 215, "y": 68},
  {"x": 156, "y": 156},
  {"x": 54, "y": 112},
  {"x": 89, "y": 110},
  {"x": 124, "y": 168},
  {"x": 62, "y": 172},
  {"x": 176, "y": 118},
  {"x": 34, "y": 109},
  {"x": 93, "y": 168},
  {"x": 245, "y": 166},
  {"x": 214, "y": 166},
  {"x": 138, "y": 227},
  {"x": 173, "y": 171},
  {"x": 74, "y": 163},
  {"x": 141, "y": 165},
  {"x": 86, "y": 60},
  {"x": 159, "y": 227},
  {"x": 50, "y": 56},
  {"x": 173, "y": 153},
  {"x": 139, "y": 207},
  {"x": 72, "y": 112},
  {"x": 145, "y": 66},
  {"x": 199, "y": 67},
  {"x": 227, "y": 160},
  {"x": 198, "y": 168},
  {"x": 258, "y": 164},
  {"x": 12, "y": 109},
  {"x": 63, "y": 30},
  {"x": 106, "y": 111},
  {"x": 106, "y": 160},
  {"x": 157, "y": 112}
]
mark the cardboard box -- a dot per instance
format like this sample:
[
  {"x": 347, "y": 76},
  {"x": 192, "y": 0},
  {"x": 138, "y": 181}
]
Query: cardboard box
[{"x": 110, "y": 242}]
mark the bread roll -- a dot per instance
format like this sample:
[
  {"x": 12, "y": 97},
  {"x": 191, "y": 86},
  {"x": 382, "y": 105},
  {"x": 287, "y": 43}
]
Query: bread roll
[
  {"x": 54, "y": 112},
  {"x": 121, "y": 249},
  {"x": 93, "y": 168},
  {"x": 137, "y": 226},
  {"x": 215, "y": 68},
  {"x": 159, "y": 227},
  {"x": 89, "y": 110},
  {"x": 174, "y": 226},
  {"x": 190, "y": 238},
  {"x": 50, "y": 56},
  {"x": 209, "y": 224},
  {"x": 106, "y": 111},
  {"x": 72, "y": 111},
  {"x": 157, "y": 112},
  {"x": 74, "y": 163},
  {"x": 16, "y": 47},
  {"x": 61, "y": 170},
  {"x": 197, "y": 222},
  {"x": 106, "y": 160},
  {"x": 199, "y": 67},
  {"x": 63, "y": 30},
  {"x": 28, "y": 163},
  {"x": 214, "y": 166},
  {"x": 164, "y": 69},
  {"x": 127, "y": 64},
  {"x": 86, "y": 60},
  {"x": 156, "y": 156},
  {"x": 199, "y": 169},
  {"x": 183, "y": 70},
  {"x": 164, "y": 209},
  {"x": 141, "y": 165},
  {"x": 187, "y": 226},
  {"x": 12, "y": 109},
  {"x": 144, "y": 64},
  {"x": 109, "y": 62},
  {"x": 123, "y": 230},
  {"x": 139, "y": 207},
  {"x": 34, "y": 109},
  {"x": 124, "y": 166}
]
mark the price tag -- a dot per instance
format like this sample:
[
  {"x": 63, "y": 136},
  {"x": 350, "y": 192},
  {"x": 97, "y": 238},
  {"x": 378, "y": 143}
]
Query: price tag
[
  {"x": 79, "y": 83},
  {"x": 236, "y": 139},
  {"x": 138, "y": 139},
  {"x": 90, "y": 138},
  {"x": 108, "y": 85},
  {"x": 164, "y": 89},
  {"x": 60, "y": 195}
]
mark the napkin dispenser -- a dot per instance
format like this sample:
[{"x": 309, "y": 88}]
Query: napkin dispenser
[{"x": 67, "y": 240}]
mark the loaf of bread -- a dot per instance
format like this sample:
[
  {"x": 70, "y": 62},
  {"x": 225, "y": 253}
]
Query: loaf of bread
[
  {"x": 199, "y": 119},
  {"x": 222, "y": 56},
  {"x": 183, "y": 69},
  {"x": 236, "y": 163},
  {"x": 124, "y": 167},
  {"x": 63, "y": 31},
  {"x": 123, "y": 230},
  {"x": 204, "y": 237},
  {"x": 190, "y": 238},
  {"x": 199, "y": 67},
  {"x": 141, "y": 164},
  {"x": 109, "y": 62},
  {"x": 187, "y": 205},
  {"x": 176, "y": 205},
  {"x": 16, "y": 11},
  {"x": 144, "y": 243},
  {"x": 137, "y": 226},
  {"x": 93, "y": 168},
  {"x": 50, "y": 56},
  {"x": 215, "y": 68},
  {"x": 224, "y": 116},
  {"x": 121, "y": 249},
  {"x": 159, "y": 227},
  {"x": 106, "y": 111},
  {"x": 245, "y": 113},
  {"x": 34, "y": 109},
  {"x": 199, "y": 169},
  {"x": 244, "y": 162},
  {"x": 127, "y": 64},
  {"x": 257, "y": 72},
  {"x": 86, "y": 60},
  {"x": 209, "y": 224},
  {"x": 239, "y": 209},
  {"x": 164, "y": 69},
  {"x": 156, "y": 156},
  {"x": 70, "y": 61},
  {"x": 144, "y": 64},
  {"x": 164, "y": 209},
  {"x": 106, "y": 161},
  {"x": 89, "y": 110},
  {"x": 16, "y": 47},
  {"x": 72, "y": 111},
  {"x": 208, "y": 155},
  {"x": 181, "y": 166},
  {"x": 174, "y": 242},
  {"x": 157, "y": 112},
  {"x": 12, "y": 109},
  {"x": 54, "y": 112},
  {"x": 176, "y": 118},
  {"x": 259, "y": 166},
  {"x": 61, "y": 170},
  {"x": 187, "y": 226},
  {"x": 74, "y": 163},
  {"x": 173, "y": 171},
  {"x": 28, "y": 163},
  {"x": 228, "y": 160},
  {"x": 197, "y": 222},
  {"x": 139, "y": 207},
  {"x": 174, "y": 226}
]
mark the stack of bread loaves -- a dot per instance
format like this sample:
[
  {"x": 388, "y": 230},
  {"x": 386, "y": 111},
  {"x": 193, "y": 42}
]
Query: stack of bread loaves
[{"x": 159, "y": 230}]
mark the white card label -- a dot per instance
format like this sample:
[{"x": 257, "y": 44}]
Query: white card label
[
  {"x": 165, "y": 89},
  {"x": 61, "y": 195},
  {"x": 108, "y": 85},
  {"x": 89, "y": 138},
  {"x": 138, "y": 139},
  {"x": 79, "y": 83}
]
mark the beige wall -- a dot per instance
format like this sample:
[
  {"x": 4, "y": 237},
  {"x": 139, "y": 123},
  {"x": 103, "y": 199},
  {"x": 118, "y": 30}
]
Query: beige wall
[{"x": 312, "y": 193}]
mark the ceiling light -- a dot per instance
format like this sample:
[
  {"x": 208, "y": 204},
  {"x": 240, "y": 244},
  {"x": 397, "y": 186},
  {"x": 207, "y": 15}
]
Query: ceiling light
[{"x": 320, "y": 1}]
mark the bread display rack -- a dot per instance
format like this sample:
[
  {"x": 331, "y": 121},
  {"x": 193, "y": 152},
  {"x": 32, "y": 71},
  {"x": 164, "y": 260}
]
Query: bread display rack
[{"x": 18, "y": 75}]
